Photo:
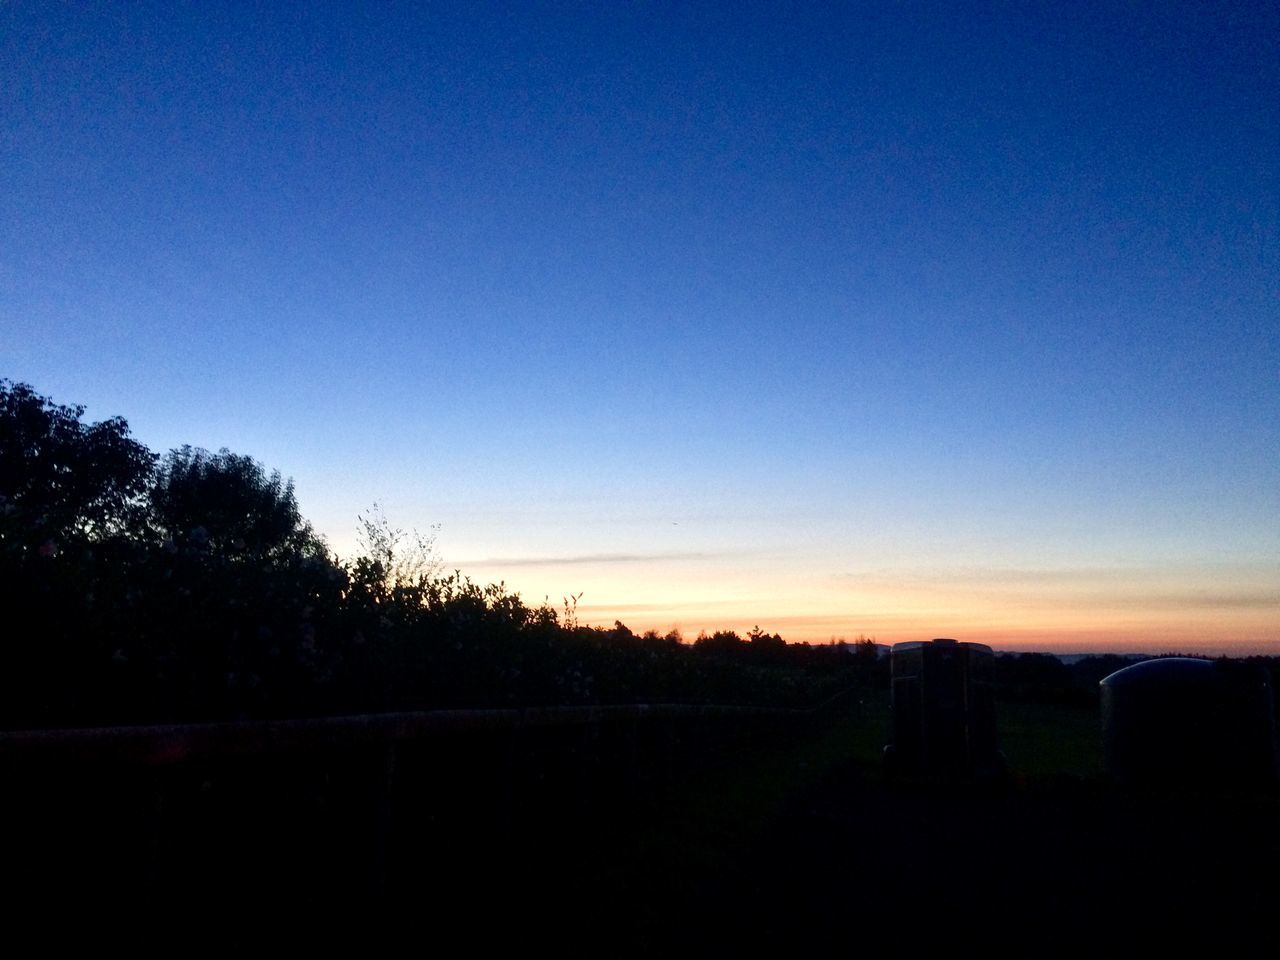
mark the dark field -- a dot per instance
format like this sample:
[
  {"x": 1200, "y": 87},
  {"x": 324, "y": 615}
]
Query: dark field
[{"x": 744, "y": 835}]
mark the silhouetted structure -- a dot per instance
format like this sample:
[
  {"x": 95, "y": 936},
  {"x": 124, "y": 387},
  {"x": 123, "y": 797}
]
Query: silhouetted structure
[
  {"x": 1187, "y": 720},
  {"x": 943, "y": 709}
]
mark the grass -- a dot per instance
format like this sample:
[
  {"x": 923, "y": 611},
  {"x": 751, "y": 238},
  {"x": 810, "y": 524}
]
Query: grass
[
  {"x": 679, "y": 847},
  {"x": 698, "y": 827},
  {"x": 1043, "y": 741}
]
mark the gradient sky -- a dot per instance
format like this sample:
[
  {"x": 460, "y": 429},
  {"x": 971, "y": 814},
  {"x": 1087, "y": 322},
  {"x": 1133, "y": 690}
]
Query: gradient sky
[{"x": 908, "y": 320}]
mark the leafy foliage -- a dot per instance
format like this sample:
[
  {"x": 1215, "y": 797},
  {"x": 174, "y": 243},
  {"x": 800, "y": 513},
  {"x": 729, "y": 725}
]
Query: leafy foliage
[
  {"x": 229, "y": 502},
  {"x": 195, "y": 590},
  {"x": 61, "y": 478},
  {"x": 402, "y": 560}
]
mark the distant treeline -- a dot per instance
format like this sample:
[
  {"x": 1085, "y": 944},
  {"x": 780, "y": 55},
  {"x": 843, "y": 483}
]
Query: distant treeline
[
  {"x": 1044, "y": 678},
  {"x": 140, "y": 588}
]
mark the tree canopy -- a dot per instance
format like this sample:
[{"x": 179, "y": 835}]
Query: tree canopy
[
  {"x": 230, "y": 502},
  {"x": 61, "y": 477}
]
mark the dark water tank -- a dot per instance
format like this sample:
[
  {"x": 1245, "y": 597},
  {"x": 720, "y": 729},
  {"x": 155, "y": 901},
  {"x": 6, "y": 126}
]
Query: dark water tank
[
  {"x": 1182, "y": 720},
  {"x": 944, "y": 718}
]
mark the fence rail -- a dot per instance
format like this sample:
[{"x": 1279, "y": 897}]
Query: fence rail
[{"x": 173, "y": 743}]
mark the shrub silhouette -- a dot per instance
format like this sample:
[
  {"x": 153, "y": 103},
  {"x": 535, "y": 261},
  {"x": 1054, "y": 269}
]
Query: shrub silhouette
[{"x": 195, "y": 590}]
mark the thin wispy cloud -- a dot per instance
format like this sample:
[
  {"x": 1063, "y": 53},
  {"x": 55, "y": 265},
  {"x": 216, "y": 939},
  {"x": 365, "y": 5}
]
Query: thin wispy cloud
[
  {"x": 1032, "y": 576},
  {"x": 992, "y": 576},
  {"x": 658, "y": 609},
  {"x": 588, "y": 559},
  {"x": 1242, "y": 600}
]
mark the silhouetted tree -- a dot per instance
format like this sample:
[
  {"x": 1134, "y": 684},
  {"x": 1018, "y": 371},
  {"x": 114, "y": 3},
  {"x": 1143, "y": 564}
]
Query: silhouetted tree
[
  {"x": 866, "y": 652},
  {"x": 760, "y": 640},
  {"x": 402, "y": 559},
  {"x": 195, "y": 590},
  {"x": 231, "y": 503},
  {"x": 722, "y": 641},
  {"x": 62, "y": 478}
]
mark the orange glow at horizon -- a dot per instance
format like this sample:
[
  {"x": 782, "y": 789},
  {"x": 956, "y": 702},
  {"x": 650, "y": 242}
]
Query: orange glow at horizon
[{"x": 1211, "y": 611}]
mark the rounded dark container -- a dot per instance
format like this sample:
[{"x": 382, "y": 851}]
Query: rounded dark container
[{"x": 1182, "y": 720}]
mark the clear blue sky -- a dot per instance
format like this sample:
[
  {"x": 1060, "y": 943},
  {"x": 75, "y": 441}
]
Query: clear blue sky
[{"x": 905, "y": 319}]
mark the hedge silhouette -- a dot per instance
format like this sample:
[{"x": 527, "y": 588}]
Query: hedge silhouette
[{"x": 141, "y": 589}]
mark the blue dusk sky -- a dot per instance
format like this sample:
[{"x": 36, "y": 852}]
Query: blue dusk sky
[{"x": 906, "y": 320}]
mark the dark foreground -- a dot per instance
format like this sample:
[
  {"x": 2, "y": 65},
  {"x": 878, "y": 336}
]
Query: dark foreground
[{"x": 760, "y": 838}]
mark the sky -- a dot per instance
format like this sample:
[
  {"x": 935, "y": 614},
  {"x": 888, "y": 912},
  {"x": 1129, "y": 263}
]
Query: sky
[{"x": 898, "y": 320}]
